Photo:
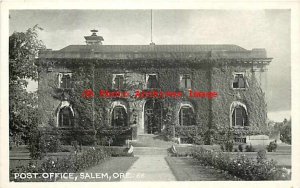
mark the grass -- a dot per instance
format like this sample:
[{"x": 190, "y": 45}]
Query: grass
[{"x": 189, "y": 169}]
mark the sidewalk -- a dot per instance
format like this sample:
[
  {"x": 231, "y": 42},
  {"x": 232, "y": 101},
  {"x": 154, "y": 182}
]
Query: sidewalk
[{"x": 150, "y": 168}]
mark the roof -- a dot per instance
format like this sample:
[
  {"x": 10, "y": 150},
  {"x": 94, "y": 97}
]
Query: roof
[
  {"x": 152, "y": 48},
  {"x": 205, "y": 51}
]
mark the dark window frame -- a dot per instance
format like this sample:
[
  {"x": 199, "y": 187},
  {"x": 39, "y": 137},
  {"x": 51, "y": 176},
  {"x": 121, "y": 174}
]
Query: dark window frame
[
  {"x": 117, "y": 83},
  {"x": 187, "y": 116},
  {"x": 65, "y": 120},
  {"x": 152, "y": 85},
  {"x": 242, "y": 119},
  {"x": 239, "y": 81},
  {"x": 187, "y": 81},
  {"x": 118, "y": 116},
  {"x": 65, "y": 81}
]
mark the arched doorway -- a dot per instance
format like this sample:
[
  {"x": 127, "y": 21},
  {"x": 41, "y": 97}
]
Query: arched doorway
[{"x": 152, "y": 117}]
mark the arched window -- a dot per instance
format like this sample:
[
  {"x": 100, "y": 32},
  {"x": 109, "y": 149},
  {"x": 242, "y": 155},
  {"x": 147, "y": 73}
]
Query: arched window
[
  {"x": 239, "y": 116},
  {"x": 186, "y": 116},
  {"x": 66, "y": 118},
  {"x": 119, "y": 117}
]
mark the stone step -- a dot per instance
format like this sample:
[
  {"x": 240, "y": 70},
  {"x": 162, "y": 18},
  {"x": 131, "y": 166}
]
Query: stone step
[
  {"x": 150, "y": 151},
  {"x": 150, "y": 140}
]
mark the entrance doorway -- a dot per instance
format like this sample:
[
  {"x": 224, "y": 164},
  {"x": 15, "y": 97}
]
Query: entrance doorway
[{"x": 153, "y": 117}]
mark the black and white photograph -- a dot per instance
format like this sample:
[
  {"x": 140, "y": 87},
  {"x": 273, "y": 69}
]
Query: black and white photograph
[{"x": 149, "y": 95}]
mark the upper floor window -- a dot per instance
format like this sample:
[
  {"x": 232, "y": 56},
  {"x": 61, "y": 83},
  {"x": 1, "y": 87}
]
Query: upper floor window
[
  {"x": 118, "y": 81},
  {"x": 185, "y": 81},
  {"x": 152, "y": 81},
  {"x": 65, "y": 80},
  {"x": 239, "y": 81}
]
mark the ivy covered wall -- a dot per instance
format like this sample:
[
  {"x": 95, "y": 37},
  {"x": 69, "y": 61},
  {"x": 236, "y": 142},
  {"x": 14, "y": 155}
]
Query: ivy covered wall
[
  {"x": 94, "y": 114},
  {"x": 253, "y": 97}
]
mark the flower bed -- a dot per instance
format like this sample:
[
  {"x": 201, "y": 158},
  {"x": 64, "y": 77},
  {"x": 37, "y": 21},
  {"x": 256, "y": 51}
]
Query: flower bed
[
  {"x": 241, "y": 166},
  {"x": 72, "y": 163}
]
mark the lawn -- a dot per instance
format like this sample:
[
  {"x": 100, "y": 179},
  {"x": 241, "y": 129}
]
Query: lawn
[{"x": 189, "y": 169}]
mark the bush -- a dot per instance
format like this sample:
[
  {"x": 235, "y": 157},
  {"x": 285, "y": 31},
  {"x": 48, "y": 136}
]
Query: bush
[
  {"x": 241, "y": 166},
  {"x": 261, "y": 156},
  {"x": 249, "y": 148},
  {"x": 34, "y": 144},
  {"x": 285, "y": 131},
  {"x": 272, "y": 146},
  {"x": 68, "y": 164},
  {"x": 49, "y": 143},
  {"x": 229, "y": 146},
  {"x": 119, "y": 152},
  {"x": 240, "y": 147}
]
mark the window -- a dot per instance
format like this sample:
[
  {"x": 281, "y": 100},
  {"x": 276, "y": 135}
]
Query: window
[
  {"x": 152, "y": 81},
  {"x": 239, "y": 140},
  {"x": 118, "y": 81},
  {"x": 66, "y": 117},
  {"x": 239, "y": 117},
  {"x": 65, "y": 80},
  {"x": 185, "y": 81},
  {"x": 119, "y": 117},
  {"x": 239, "y": 81},
  {"x": 186, "y": 116}
]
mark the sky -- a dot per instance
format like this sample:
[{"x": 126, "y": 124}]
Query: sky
[{"x": 269, "y": 29}]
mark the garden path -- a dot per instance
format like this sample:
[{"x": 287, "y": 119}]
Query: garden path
[{"x": 150, "y": 168}]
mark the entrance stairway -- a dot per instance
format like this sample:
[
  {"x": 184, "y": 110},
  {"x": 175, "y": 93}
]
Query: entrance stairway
[
  {"x": 151, "y": 140},
  {"x": 150, "y": 144},
  {"x": 150, "y": 151}
]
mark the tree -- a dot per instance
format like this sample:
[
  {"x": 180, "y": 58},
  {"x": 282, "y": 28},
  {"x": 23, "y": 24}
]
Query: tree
[
  {"x": 285, "y": 131},
  {"x": 23, "y": 50}
]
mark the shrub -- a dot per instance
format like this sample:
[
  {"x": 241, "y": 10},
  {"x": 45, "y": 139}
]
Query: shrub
[
  {"x": 34, "y": 144},
  {"x": 229, "y": 146},
  {"x": 67, "y": 164},
  {"x": 272, "y": 146},
  {"x": 261, "y": 156},
  {"x": 240, "y": 147},
  {"x": 222, "y": 147},
  {"x": 241, "y": 166},
  {"x": 49, "y": 143},
  {"x": 249, "y": 148}
]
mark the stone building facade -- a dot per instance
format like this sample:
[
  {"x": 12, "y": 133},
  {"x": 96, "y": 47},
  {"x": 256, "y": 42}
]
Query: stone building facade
[{"x": 236, "y": 75}]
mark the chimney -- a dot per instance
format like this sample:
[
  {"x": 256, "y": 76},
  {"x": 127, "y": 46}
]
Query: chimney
[{"x": 94, "y": 39}]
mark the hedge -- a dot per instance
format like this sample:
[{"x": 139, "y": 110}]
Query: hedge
[
  {"x": 241, "y": 166},
  {"x": 67, "y": 164}
]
